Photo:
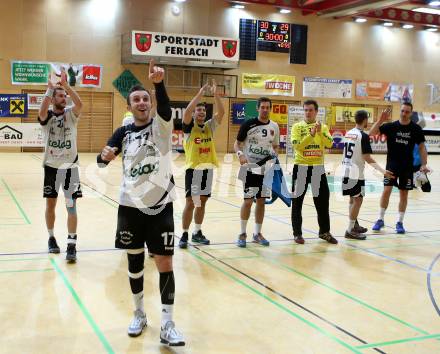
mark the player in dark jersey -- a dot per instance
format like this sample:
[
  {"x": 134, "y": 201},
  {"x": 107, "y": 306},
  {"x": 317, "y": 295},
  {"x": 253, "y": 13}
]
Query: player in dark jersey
[{"x": 401, "y": 135}]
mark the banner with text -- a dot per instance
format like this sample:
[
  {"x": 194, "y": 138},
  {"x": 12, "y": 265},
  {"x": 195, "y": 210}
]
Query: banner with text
[
  {"x": 267, "y": 84},
  {"x": 326, "y": 88},
  {"x": 37, "y": 73},
  {"x": 384, "y": 91},
  {"x": 13, "y": 105},
  {"x": 159, "y": 44},
  {"x": 21, "y": 134},
  {"x": 347, "y": 113}
]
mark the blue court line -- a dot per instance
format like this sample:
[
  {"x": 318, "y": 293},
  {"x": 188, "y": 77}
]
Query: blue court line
[{"x": 428, "y": 281}]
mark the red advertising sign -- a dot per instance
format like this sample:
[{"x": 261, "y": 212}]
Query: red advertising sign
[{"x": 91, "y": 76}]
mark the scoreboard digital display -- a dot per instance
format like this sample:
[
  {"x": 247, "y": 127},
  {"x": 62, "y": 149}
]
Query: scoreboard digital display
[{"x": 273, "y": 36}]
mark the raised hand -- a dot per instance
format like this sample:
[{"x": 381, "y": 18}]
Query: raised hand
[
  {"x": 318, "y": 127},
  {"x": 155, "y": 73},
  {"x": 63, "y": 80},
  {"x": 385, "y": 115},
  {"x": 50, "y": 84}
]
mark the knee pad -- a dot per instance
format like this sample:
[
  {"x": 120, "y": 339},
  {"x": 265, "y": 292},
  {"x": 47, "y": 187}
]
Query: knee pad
[
  {"x": 136, "y": 260},
  {"x": 70, "y": 205}
]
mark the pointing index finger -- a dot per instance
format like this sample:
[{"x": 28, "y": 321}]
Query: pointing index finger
[{"x": 151, "y": 68}]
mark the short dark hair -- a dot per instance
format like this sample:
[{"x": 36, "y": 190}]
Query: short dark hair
[
  {"x": 201, "y": 104},
  {"x": 408, "y": 103},
  {"x": 360, "y": 116},
  {"x": 264, "y": 99},
  {"x": 133, "y": 89},
  {"x": 309, "y": 102},
  {"x": 57, "y": 89}
]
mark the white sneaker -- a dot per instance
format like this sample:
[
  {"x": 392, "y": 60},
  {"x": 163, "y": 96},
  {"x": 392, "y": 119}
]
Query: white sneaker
[
  {"x": 137, "y": 324},
  {"x": 171, "y": 336}
]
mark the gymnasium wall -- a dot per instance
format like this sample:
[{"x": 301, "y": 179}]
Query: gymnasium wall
[{"x": 80, "y": 32}]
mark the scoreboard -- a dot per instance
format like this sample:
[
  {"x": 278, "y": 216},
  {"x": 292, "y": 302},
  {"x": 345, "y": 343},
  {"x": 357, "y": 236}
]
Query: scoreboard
[{"x": 273, "y": 36}]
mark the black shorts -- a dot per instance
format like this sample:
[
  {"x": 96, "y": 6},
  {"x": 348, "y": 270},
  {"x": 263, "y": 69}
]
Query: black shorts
[
  {"x": 254, "y": 187},
  {"x": 136, "y": 228},
  {"x": 353, "y": 187},
  {"x": 68, "y": 178},
  {"x": 198, "y": 182},
  {"x": 403, "y": 180}
]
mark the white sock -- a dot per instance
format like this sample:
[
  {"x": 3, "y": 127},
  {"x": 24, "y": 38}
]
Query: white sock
[
  {"x": 50, "y": 231},
  {"x": 257, "y": 228},
  {"x": 243, "y": 226},
  {"x": 167, "y": 314},
  {"x": 351, "y": 224},
  {"x": 71, "y": 238},
  {"x": 401, "y": 215},
  {"x": 139, "y": 301},
  {"x": 382, "y": 213},
  {"x": 197, "y": 227},
  {"x": 185, "y": 230}
]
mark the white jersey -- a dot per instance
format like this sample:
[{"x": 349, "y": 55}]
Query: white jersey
[
  {"x": 258, "y": 139},
  {"x": 356, "y": 143},
  {"x": 146, "y": 160},
  {"x": 60, "y": 134}
]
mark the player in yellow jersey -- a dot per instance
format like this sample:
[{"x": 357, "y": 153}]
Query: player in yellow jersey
[
  {"x": 309, "y": 139},
  {"x": 200, "y": 160}
]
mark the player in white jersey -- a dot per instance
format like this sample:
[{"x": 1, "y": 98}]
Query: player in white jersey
[
  {"x": 60, "y": 161},
  {"x": 256, "y": 142},
  {"x": 357, "y": 150},
  {"x": 145, "y": 214}
]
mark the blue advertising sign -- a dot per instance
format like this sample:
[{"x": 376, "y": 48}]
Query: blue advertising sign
[
  {"x": 13, "y": 105},
  {"x": 238, "y": 113}
]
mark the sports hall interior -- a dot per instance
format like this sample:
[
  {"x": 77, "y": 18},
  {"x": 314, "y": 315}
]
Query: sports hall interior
[{"x": 378, "y": 295}]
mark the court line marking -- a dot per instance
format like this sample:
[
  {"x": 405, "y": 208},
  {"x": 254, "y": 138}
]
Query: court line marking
[
  {"x": 428, "y": 282},
  {"x": 23, "y": 214},
  {"x": 277, "y": 304},
  {"x": 340, "y": 292},
  {"x": 26, "y": 270},
  {"x": 23, "y": 259},
  {"x": 83, "y": 309},
  {"x": 397, "y": 341}
]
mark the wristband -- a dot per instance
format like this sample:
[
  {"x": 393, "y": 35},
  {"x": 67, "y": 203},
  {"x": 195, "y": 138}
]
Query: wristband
[
  {"x": 49, "y": 92},
  {"x": 239, "y": 153}
]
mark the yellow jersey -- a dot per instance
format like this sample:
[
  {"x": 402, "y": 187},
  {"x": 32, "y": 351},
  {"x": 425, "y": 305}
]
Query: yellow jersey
[
  {"x": 309, "y": 150},
  {"x": 199, "y": 146}
]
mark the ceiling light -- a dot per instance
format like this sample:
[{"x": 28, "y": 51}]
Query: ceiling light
[
  {"x": 360, "y": 20},
  {"x": 432, "y": 29},
  {"x": 179, "y": 0},
  {"x": 238, "y": 6},
  {"x": 427, "y": 10},
  {"x": 407, "y": 26},
  {"x": 434, "y": 3},
  {"x": 388, "y": 24},
  {"x": 285, "y": 11}
]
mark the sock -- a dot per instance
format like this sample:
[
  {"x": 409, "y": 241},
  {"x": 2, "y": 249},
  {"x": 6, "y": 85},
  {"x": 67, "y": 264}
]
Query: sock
[
  {"x": 401, "y": 215},
  {"x": 136, "y": 278},
  {"x": 50, "y": 231},
  {"x": 167, "y": 315},
  {"x": 243, "y": 226},
  {"x": 351, "y": 224},
  {"x": 257, "y": 228},
  {"x": 71, "y": 238},
  {"x": 138, "y": 300},
  {"x": 197, "y": 227},
  {"x": 382, "y": 213},
  {"x": 167, "y": 290}
]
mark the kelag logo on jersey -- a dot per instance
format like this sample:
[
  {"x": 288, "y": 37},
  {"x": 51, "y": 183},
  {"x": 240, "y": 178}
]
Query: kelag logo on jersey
[
  {"x": 60, "y": 144},
  {"x": 145, "y": 169},
  {"x": 259, "y": 151}
]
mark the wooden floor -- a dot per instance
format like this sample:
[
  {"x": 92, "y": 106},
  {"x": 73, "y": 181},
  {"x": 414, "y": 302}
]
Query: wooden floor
[{"x": 379, "y": 295}]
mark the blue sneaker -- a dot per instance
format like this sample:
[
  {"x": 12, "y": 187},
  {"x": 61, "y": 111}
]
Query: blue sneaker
[
  {"x": 378, "y": 225},
  {"x": 399, "y": 228},
  {"x": 241, "y": 242},
  {"x": 183, "y": 242},
  {"x": 258, "y": 238}
]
